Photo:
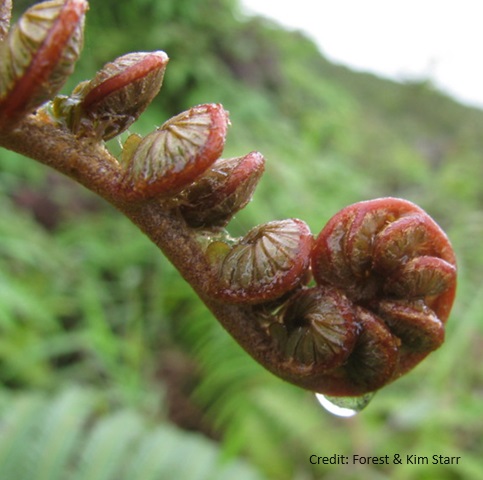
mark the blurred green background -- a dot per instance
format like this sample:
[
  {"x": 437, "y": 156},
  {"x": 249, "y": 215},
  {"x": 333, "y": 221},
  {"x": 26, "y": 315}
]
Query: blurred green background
[{"x": 111, "y": 368}]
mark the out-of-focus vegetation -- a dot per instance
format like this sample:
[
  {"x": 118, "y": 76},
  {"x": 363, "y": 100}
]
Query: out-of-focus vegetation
[{"x": 109, "y": 363}]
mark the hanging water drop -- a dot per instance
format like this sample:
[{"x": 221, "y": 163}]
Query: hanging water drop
[{"x": 344, "y": 406}]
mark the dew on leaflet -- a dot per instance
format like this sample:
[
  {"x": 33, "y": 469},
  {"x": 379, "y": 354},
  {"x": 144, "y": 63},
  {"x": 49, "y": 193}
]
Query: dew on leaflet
[{"x": 344, "y": 406}]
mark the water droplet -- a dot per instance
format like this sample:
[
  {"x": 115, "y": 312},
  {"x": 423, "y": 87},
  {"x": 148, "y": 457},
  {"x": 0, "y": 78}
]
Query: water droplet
[{"x": 344, "y": 406}]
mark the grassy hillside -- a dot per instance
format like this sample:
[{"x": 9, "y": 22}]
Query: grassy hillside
[{"x": 86, "y": 300}]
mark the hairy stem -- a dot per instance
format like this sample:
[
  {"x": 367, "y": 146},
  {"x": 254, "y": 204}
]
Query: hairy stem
[
  {"x": 89, "y": 163},
  {"x": 308, "y": 332}
]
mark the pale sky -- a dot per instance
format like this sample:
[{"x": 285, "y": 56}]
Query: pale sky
[{"x": 402, "y": 39}]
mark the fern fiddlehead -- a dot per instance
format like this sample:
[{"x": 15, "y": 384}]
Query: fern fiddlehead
[
  {"x": 343, "y": 314},
  {"x": 393, "y": 273}
]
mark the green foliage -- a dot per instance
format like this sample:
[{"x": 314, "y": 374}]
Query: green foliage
[
  {"x": 85, "y": 298},
  {"x": 78, "y": 435}
]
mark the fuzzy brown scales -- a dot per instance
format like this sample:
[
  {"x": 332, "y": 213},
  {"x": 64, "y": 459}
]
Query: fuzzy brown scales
[{"x": 343, "y": 314}]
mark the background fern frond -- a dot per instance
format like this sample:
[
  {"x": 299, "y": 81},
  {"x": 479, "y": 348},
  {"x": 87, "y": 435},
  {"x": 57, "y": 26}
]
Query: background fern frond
[{"x": 77, "y": 435}]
